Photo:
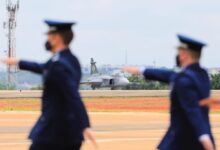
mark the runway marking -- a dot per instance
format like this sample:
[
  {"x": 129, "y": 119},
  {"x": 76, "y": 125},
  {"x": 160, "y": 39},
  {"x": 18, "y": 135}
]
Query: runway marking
[
  {"x": 127, "y": 113},
  {"x": 27, "y": 142},
  {"x": 127, "y": 139},
  {"x": 20, "y": 112},
  {"x": 100, "y": 113},
  {"x": 15, "y": 143},
  {"x": 17, "y": 120},
  {"x": 99, "y": 140}
]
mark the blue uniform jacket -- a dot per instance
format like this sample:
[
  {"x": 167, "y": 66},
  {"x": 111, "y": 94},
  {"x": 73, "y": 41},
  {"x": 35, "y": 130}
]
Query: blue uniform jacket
[
  {"x": 188, "y": 120},
  {"x": 64, "y": 116}
]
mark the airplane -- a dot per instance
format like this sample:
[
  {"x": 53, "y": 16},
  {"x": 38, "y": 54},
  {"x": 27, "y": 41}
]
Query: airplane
[{"x": 97, "y": 80}]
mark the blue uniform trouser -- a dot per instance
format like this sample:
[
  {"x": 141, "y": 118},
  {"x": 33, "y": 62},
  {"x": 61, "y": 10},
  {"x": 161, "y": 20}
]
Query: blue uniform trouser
[{"x": 49, "y": 146}]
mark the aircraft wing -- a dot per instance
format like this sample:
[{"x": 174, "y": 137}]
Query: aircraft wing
[
  {"x": 107, "y": 77},
  {"x": 93, "y": 81},
  {"x": 97, "y": 80}
]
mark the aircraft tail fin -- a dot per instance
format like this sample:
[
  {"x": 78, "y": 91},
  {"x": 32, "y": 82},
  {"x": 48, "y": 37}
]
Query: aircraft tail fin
[{"x": 94, "y": 69}]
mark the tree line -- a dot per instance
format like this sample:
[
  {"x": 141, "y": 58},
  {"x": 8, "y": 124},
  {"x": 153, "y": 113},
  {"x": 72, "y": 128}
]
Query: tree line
[{"x": 139, "y": 83}]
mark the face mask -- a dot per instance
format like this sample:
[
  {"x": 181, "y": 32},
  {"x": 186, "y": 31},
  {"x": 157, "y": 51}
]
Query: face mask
[
  {"x": 48, "y": 46},
  {"x": 178, "y": 64}
]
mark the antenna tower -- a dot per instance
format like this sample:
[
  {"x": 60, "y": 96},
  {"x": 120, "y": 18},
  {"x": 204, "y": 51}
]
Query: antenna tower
[{"x": 12, "y": 7}]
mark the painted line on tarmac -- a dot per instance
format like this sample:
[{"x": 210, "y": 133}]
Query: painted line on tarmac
[
  {"x": 128, "y": 113},
  {"x": 15, "y": 143},
  {"x": 92, "y": 113},
  {"x": 17, "y": 120},
  {"x": 99, "y": 140},
  {"x": 27, "y": 142},
  {"x": 20, "y": 112},
  {"x": 97, "y": 113},
  {"x": 127, "y": 139}
]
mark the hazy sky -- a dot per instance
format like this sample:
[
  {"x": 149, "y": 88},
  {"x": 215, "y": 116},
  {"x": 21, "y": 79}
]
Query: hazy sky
[{"x": 107, "y": 28}]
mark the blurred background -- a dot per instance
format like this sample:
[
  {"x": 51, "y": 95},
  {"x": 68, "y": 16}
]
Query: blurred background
[{"x": 115, "y": 33}]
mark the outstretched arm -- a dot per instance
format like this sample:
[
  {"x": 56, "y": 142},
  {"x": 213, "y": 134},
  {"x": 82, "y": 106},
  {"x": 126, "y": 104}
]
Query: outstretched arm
[
  {"x": 31, "y": 66},
  {"x": 162, "y": 75},
  {"x": 25, "y": 65}
]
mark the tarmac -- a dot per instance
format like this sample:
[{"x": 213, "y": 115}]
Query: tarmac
[
  {"x": 114, "y": 131},
  {"x": 95, "y": 93}
]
